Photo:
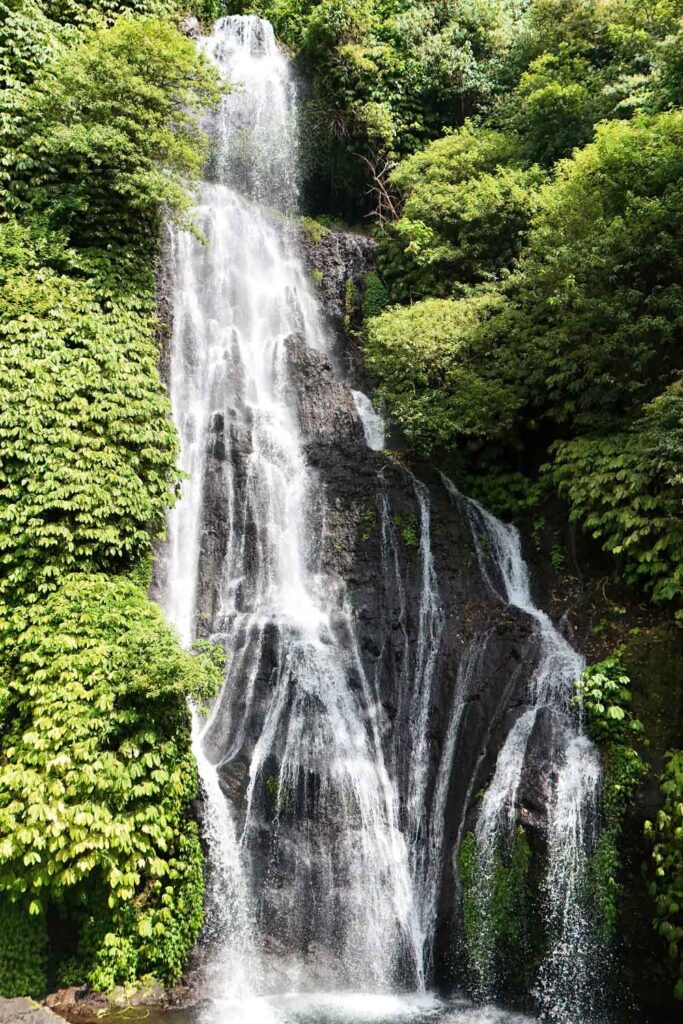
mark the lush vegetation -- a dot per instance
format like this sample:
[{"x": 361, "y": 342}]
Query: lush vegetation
[
  {"x": 100, "y": 864},
  {"x": 497, "y": 909},
  {"x": 521, "y": 165}
]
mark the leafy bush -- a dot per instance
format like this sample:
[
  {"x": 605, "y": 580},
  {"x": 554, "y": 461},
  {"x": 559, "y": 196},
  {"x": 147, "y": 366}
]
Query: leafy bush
[
  {"x": 375, "y": 296},
  {"x": 102, "y": 142},
  {"x": 87, "y": 449},
  {"x": 23, "y": 951},
  {"x": 100, "y": 862},
  {"x": 627, "y": 490},
  {"x": 428, "y": 360},
  {"x": 467, "y": 205},
  {"x": 603, "y": 693},
  {"x": 598, "y": 298},
  {"x": 96, "y": 775}
]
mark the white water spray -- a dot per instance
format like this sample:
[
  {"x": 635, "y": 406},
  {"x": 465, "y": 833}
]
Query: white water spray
[{"x": 337, "y": 889}]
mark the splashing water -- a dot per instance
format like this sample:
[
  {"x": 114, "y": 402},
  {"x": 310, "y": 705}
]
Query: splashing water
[{"x": 233, "y": 972}]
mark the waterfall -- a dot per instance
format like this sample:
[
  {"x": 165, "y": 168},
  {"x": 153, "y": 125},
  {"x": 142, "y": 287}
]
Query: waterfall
[
  {"x": 324, "y": 812},
  {"x": 373, "y": 424},
  {"x": 567, "y": 978},
  {"x": 233, "y": 972},
  {"x": 297, "y": 726}
]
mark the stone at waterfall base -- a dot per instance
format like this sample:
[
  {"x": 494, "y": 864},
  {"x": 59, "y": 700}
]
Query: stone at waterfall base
[
  {"x": 80, "y": 1005},
  {"x": 23, "y": 1010}
]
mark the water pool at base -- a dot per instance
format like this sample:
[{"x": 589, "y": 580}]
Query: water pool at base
[{"x": 342, "y": 1008}]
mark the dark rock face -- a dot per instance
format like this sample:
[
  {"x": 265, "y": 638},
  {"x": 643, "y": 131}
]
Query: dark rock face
[
  {"x": 365, "y": 534},
  {"x": 340, "y": 261},
  {"x": 371, "y": 502}
]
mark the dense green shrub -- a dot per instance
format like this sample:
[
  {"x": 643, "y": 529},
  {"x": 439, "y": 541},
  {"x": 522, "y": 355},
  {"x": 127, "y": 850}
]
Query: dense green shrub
[
  {"x": 386, "y": 76},
  {"x": 87, "y": 450},
  {"x": 604, "y": 696},
  {"x": 96, "y": 776},
  {"x": 100, "y": 863},
  {"x": 428, "y": 359},
  {"x": 103, "y": 140},
  {"x": 598, "y": 299},
  {"x": 627, "y": 489},
  {"x": 23, "y": 950},
  {"x": 375, "y": 297},
  {"x": 467, "y": 203}
]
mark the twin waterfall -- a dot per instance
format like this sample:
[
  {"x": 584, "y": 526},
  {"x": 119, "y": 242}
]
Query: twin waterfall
[{"x": 326, "y": 836}]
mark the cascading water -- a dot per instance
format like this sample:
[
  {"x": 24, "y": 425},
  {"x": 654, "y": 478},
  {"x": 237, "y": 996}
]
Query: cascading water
[
  {"x": 566, "y": 987},
  {"x": 296, "y": 708},
  {"x": 324, "y": 821},
  {"x": 373, "y": 424}
]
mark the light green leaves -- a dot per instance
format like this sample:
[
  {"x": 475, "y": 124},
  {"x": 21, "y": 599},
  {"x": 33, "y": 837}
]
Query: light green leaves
[{"x": 96, "y": 775}]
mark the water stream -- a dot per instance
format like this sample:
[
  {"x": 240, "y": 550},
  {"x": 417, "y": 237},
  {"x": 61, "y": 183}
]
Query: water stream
[{"x": 325, "y": 844}]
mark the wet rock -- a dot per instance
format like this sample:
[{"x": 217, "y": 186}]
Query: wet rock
[
  {"x": 539, "y": 775},
  {"x": 340, "y": 262},
  {"x": 23, "y": 1010},
  {"x": 190, "y": 27},
  {"x": 326, "y": 410}
]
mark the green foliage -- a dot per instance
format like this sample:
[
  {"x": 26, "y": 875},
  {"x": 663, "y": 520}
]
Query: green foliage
[
  {"x": 103, "y": 140},
  {"x": 602, "y": 882},
  {"x": 315, "y": 231},
  {"x": 100, "y": 864},
  {"x": 351, "y": 304},
  {"x": 667, "y": 856},
  {"x": 23, "y": 950},
  {"x": 428, "y": 359},
  {"x": 598, "y": 303},
  {"x": 495, "y": 910},
  {"x": 467, "y": 205},
  {"x": 603, "y": 693},
  {"x": 558, "y": 558},
  {"x": 627, "y": 490},
  {"x": 409, "y": 529},
  {"x": 96, "y": 776},
  {"x": 387, "y": 75},
  {"x": 279, "y": 798},
  {"x": 87, "y": 450},
  {"x": 375, "y": 297},
  {"x": 28, "y": 39},
  {"x": 556, "y": 106}
]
